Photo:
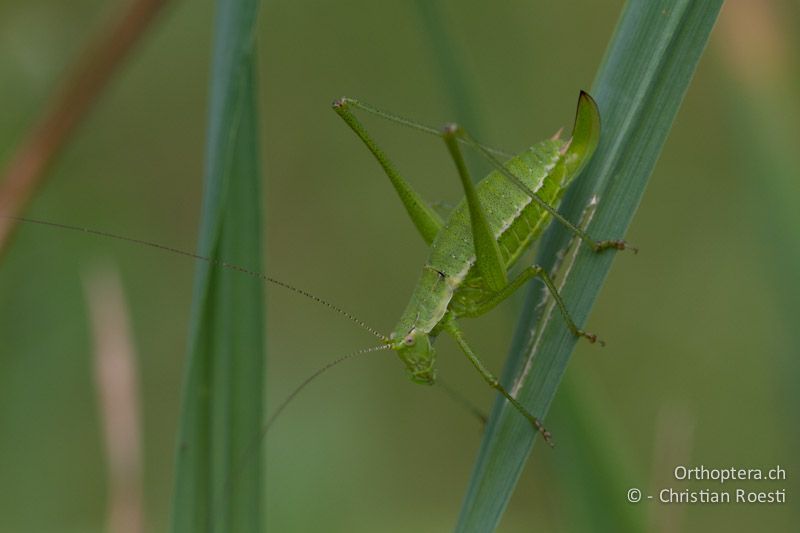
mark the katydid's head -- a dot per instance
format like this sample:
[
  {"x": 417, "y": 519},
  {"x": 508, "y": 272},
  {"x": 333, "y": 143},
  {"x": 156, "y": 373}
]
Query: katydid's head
[{"x": 417, "y": 353}]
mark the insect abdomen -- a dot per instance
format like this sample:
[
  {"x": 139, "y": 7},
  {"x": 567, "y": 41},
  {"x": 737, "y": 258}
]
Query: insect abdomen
[
  {"x": 449, "y": 279},
  {"x": 524, "y": 220}
]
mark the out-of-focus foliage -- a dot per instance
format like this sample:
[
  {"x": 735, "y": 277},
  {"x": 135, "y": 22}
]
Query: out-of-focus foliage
[
  {"x": 222, "y": 400},
  {"x": 695, "y": 322}
]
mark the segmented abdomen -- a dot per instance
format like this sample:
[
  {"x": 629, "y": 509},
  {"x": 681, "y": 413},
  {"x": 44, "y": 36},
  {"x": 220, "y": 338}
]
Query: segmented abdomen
[
  {"x": 450, "y": 279},
  {"x": 523, "y": 219}
]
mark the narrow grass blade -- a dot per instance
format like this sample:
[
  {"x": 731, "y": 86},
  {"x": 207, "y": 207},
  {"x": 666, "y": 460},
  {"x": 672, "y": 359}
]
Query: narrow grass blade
[
  {"x": 594, "y": 472},
  {"x": 223, "y": 389},
  {"x": 586, "y": 443},
  {"x": 647, "y": 69},
  {"x": 459, "y": 87}
]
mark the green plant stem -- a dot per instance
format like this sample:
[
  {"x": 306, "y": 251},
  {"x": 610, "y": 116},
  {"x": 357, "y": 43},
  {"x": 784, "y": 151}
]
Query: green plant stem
[
  {"x": 645, "y": 74},
  {"x": 223, "y": 393}
]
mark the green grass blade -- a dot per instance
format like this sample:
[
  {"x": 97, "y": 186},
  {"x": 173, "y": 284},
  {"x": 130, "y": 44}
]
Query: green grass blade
[
  {"x": 647, "y": 69},
  {"x": 223, "y": 388},
  {"x": 594, "y": 470},
  {"x": 459, "y": 86},
  {"x": 594, "y": 485},
  {"x": 585, "y": 443}
]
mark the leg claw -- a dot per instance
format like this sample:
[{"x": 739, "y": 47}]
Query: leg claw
[
  {"x": 591, "y": 337},
  {"x": 614, "y": 245}
]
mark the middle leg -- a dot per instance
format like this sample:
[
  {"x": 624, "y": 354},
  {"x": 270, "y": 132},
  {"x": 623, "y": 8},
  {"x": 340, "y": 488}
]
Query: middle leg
[
  {"x": 526, "y": 275},
  {"x": 488, "y": 377}
]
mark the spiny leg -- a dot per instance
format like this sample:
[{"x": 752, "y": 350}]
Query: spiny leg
[
  {"x": 583, "y": 141},
  {"x": 524, "y": 276},
  {"x": 427, "y": 221},
  {"x": 488, "y": 377}
]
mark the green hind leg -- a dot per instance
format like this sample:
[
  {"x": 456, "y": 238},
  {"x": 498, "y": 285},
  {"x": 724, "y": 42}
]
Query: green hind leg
[
  {"x": 426, "y": 220},
  {"x": 583, "y": 142},
  {"x": 526, "y": 275},
  {"x": 451, "y": 327}
]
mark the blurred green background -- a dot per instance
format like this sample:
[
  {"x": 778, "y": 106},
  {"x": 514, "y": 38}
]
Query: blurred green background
[{"x": 701, "y": 361}]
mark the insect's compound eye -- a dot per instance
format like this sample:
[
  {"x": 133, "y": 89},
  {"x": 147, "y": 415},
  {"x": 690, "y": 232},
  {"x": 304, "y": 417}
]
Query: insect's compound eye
[{"x": 410, "y": 341}]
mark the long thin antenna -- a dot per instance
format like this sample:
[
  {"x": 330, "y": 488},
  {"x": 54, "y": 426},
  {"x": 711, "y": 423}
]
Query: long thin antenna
[
  {"x": 209, "y": 260},
  {"x": 412, "y": 124},
  {"x": 311, "y": 378},
  {"x": 254, "y": 446}
]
